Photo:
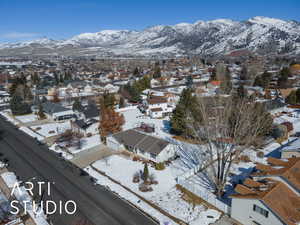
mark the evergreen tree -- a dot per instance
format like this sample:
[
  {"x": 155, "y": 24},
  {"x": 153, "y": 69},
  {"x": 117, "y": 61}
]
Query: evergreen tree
[
  {"x": 244, "y": 73},
  {"x": 180, "y": 119},
  {"x": 18, "y": 106},
  {"x": 77, "y": 105},
  {"x": 136, "y": 72},
  {"x": 189, "y": 81},
  {"x": 263, "y": 80},
  {"x": 157, "y": 71},
  {"x": 283, "y": 77},
  {"x": 241, "y": 92},
  {"x": 145, "y": 175},
  {"x": 61, "y": 78},
  {"x": 292, "y": 98},
  {"x": 56, "y": 78},
  {"x": 213, "y": 75},
  {"x": 35, "y": 78}
]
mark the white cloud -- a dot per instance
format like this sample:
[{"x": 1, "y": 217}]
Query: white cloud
[{"x": 18, "y": 35}]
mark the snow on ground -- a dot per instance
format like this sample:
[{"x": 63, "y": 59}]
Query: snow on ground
[
  {"x": 31, "y": 133},
  {"x": 175, "y": 205},
  {"x": 8, "y": 117},
  {"x": 27, "y": 118},
  {"x": 164, "y": 194},
  {"x": 123, "y": 193},
  {"x": 21, "y": 195},
  {"x": 64, "y": 154},
  {"x": 52, "y": 129},
  {"x": 111, "y": 166},
  {"x": 87, "y": 143},
  {"x": 134, "y": 117},
  {"x": 207, "y": 217}
]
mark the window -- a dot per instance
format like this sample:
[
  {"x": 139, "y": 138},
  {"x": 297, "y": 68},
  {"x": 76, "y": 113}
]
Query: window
[{"x": 260, "y": 210}]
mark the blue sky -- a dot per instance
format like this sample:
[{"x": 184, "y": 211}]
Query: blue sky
[{"x": 59, "y": 19}]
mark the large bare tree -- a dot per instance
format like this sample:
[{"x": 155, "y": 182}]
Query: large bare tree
[{"x": 224, "y": 127}]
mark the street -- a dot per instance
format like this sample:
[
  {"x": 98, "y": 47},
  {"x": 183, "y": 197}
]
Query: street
[{"x": 96, "y": 205}]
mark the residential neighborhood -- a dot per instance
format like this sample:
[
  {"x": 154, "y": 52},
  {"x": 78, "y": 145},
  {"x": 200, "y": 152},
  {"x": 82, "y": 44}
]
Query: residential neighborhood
[{"x": 150, "y": 113}]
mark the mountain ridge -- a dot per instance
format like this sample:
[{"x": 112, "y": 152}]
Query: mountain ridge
[{"x": 262, "y": 35}]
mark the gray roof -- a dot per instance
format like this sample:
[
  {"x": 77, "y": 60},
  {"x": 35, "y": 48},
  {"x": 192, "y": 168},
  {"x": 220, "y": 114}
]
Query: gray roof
[
  {"x": 143, "y": 142},
  {"x": 91, "y": 111},
  {"x": 50, "y": 108}
]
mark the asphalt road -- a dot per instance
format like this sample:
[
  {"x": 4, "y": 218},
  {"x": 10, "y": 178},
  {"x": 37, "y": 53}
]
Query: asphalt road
[{"x": 95, "y": 204}]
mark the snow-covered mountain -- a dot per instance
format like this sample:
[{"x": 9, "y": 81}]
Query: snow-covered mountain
[{"x": 259, "y": 34}]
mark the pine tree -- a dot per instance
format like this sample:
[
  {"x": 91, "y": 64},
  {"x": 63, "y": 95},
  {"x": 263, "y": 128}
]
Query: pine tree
[
  {"x": 241, "y": 92},
  {"x": 56, "y": 77},
  {"x": 157, "y": 71},
  {"x": 18, "y": 106},
  {"x": 291, "y": 98},
  {"x": 283, "y": 77},
  {"x": 136, "y": 72},
  {"x": 179, "y": 119},
  {"x": 77, "y": 105},
  {"x": 145, "y": 173},
  {"x": 213, "y": 75},
  {"x": 189, "y": 81},
  {"x": 244, "y": 73}
]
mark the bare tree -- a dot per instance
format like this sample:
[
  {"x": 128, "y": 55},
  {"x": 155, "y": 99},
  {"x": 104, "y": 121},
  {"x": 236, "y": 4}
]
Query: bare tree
[{"x": 225, "y": 127}]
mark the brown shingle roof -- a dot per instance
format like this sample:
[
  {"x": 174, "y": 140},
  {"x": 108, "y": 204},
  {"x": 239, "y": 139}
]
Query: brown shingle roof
[
  {"x": 290, "y": 172},
  {"x": 284, "y": 202},
  {"x": 157, "y": 100},
  {"x": 251, "y": 183}
]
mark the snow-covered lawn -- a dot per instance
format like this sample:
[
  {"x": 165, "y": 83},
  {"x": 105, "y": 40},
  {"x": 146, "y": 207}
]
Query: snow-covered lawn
[
  {"x": 123, "y": 193},
  {"x": 31, "y": 133},
  {"x": 64, "y": 154},
  {"x": 27, "y": 118},
  {"x": 52, "y": 129},
  {"x": 113, "y": 165},
  {"x": 206, "y": 217},
  {"x": 164, "y": 194},
  {"x": 8, "y": 117},
  {"x": 87, "y": 143},
  {"x": 173, "y": 203},
  {"x": 134, "y": 117}
]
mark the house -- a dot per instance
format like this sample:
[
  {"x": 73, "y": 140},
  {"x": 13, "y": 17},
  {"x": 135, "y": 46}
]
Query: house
[
  {"x": 289, "y": 127},
  {"x": 149, "y": 147},
  {"x": 156, "y": 113},
  {"x": 91, "y": 111},
  {"x": 158, "y": 107},
  {"x": 292, "y": 149},
  {"x": 272, "y": 196},
  {"x": 87, "y": 128},
  {"x": 57, "y": 111}
]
